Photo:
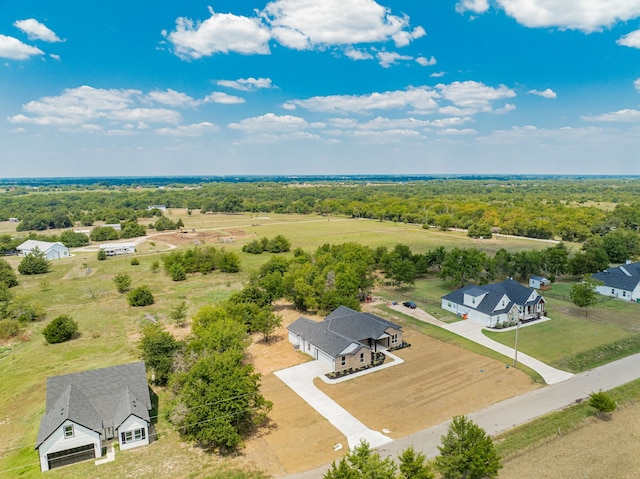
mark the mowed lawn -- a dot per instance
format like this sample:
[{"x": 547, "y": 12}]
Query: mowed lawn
[
  {"x": 109, "y": 328},
  {"x": 571, "y": 332}
]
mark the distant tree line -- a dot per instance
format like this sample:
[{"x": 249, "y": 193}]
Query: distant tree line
[{"x": 568, "y": 209}]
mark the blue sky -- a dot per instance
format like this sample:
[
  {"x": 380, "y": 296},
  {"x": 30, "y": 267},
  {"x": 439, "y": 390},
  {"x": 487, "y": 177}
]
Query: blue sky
[{"x": 319, "y": 87}]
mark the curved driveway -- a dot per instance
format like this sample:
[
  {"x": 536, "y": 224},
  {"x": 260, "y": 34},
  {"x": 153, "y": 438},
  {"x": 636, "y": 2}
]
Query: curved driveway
[{"x": 473, "y": 331}]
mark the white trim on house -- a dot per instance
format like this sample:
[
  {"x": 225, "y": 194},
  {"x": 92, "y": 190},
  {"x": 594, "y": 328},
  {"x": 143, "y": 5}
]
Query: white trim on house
[
  {"x": 133, "y": 432},
  {"x": 57, "y": 442},
  {"x": 117, "y": 249}
]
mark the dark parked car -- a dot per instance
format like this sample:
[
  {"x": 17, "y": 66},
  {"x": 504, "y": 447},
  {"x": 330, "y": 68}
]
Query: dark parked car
[{"x": 410, "y": 304}]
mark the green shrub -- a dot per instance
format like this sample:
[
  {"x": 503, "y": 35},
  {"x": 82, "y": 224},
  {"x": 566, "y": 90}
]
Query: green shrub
[
  {"x": 60, "y": 329},
  {"x": 122, "y": 282},
  {"x": 177, "y": 273},
  {"x": 34, "y": 263},
  {"x": 140, "y": 296},
  {"x": 135, "y": 261},
  {"x": 9, "y": 328},
  {"x": 102, "y": 255},
  {"x": 602, "y": 403}
]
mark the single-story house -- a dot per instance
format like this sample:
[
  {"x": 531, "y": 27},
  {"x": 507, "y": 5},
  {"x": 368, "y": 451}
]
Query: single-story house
[
  {"x": 116, "y": 249},
  {"x": 90, "y": 410},
  {"x": 538, "y": 282},
  {"x": 115, "y": 226},
  {"x": 346, "y": 339},
  {"x": 162, "y": 208},
  {"x": 620, "y": 282},
  {"x": 14, "y": 220},
  {"x": 50, "y": 250},
  {"x": 491, "y": 304}
]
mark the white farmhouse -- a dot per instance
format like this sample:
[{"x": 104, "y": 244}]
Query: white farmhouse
[
  {"x": 117, "y": 249},
  {"x": 490, "y": 304},
  {"x": 50, "y": 250},
  {"x": 91, "y": 410}
]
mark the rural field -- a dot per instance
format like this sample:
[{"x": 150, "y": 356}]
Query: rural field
[{"x": 438, "y": 379}]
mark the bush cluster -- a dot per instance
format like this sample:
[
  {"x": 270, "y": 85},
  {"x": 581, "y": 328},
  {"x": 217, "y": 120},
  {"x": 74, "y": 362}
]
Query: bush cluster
[{"x": 278, "y": 244}]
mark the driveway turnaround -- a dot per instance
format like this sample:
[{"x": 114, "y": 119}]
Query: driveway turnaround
[
  {"x": 473, "y": 331},
  {"x": 515, "y": 411},
  {"x": 300, "y": 379}
]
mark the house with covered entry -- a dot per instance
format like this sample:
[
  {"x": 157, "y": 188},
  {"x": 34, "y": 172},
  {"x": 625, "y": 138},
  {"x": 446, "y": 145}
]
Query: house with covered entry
[
  {"x": 620, "y": 282},
  {"x": 346, "y": 339},
  {"x": 89, "y": 411},
  {"x": 491, "y": 304},
  {"x": 50, "y": 250}
]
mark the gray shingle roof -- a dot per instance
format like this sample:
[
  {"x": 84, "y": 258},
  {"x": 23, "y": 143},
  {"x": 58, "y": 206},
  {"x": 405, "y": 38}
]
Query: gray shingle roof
[
  {"x": 344, "y": 329},
  {"x": 517, "y": 294},
  {"x": 625, "y": 277},
  {"x": 96, "y": 399}
]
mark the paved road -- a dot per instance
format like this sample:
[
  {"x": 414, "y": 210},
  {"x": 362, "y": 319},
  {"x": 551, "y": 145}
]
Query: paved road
[
  {"x": 515, "y": 411},
  {"x": 473, "y": 331}
]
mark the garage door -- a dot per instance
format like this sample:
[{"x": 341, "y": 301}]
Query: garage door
[{"x": 71, "y": 456}]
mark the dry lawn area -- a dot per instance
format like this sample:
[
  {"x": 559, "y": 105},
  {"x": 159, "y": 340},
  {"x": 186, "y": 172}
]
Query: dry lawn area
[
  {"x": 600, "y": 449},
  {"x": 436, "y": 381}
]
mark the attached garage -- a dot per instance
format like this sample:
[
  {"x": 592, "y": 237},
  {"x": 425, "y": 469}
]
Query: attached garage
[{"x": 71, "y": 456}]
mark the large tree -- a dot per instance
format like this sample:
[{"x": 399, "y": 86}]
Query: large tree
[
  {"x": 467, "y": 452},
  {"x": 158, "y": 349},
  {"x": 584, "y": 294},
  {"x": 219, "y": 401}
]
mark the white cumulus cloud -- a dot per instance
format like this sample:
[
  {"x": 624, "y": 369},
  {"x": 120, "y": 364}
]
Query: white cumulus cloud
[
  {"x": 584, "y": 15},
  {"x": 630, "y": 39},
  {"x": 220, "y": 33},
  {"x": 636, "y": 84},
  {"x": 548, "y": 93},
  {"x": 196, "y": 129},
  {"x": 36, "y": 30},
  {"x": 246, "y": 84},
  {"x": 620, "y": 116},
  {"x": 474, "y": 95},
  {"x": 356, "y": 54},
  {"x": 426, "y": 62},
  {"x": 223, "y": 98},
  {"x": 271, "y": 123},
  {"x": 386, "y": 59},
  {"x": 14, "y": 49},
  {"x": 308, "y": 24},
  {"x": 421, "y": 99},
  {"x": 476, "y": 6},
  {"x": 172, "y": 98},
  {"x": 87, "y": 105}
]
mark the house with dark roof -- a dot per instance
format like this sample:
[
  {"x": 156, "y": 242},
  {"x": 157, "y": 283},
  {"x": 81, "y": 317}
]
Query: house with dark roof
[
  {"x": 90, "y": 410},
  {"x": 620, "y": 282},
  {"x": 346, "y": 339},
  {"x": 496, "y": 303}
]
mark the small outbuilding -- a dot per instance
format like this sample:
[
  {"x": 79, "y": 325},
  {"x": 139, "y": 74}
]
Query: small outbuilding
[
  {"x": 50, "y": 250},
  {"x": 538, "y": 282}
]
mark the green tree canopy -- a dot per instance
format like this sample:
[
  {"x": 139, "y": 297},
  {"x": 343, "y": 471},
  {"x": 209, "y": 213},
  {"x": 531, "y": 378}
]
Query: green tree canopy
[
  {"x": 583, "y": 294},
  {"x": 141, "y": 296},
  {"x": 158, "y": 349},
  {"x": 7, "y": 275},
  {"x": 34, "y": 263},
  {"x": 467, "y": 452}
]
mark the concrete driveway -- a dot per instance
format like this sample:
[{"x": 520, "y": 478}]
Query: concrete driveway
[
  {"x": 473, "y": 331},
  {"x": 300, "y": 379}
]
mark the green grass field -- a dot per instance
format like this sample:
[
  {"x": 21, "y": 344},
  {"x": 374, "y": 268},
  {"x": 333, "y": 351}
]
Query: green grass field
[{"x": 83, "y": 287}]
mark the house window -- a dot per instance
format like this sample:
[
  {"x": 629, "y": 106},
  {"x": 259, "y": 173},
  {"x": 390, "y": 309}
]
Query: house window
[
  {"x": 613, "y": 291},
  {"x": 449, "y": 305},
  {"x": 394, "y": 339},
  {"x": 362, "y": 357},
  {"x": 344, "y": 360},
  {"x": 473, "y": 300},
  {"x": 624, "y": 293},
  {"x": 68, "y": 431},
  {"x": 132, "y": 436}
]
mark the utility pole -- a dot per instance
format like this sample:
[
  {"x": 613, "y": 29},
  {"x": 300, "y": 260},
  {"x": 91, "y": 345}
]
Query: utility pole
[{"x": 515, "y": 358}]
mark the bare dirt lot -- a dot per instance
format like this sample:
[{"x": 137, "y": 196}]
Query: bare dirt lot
[
  {"x": 436, "y": 381},
  {"x": 600, "y": 449}
]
